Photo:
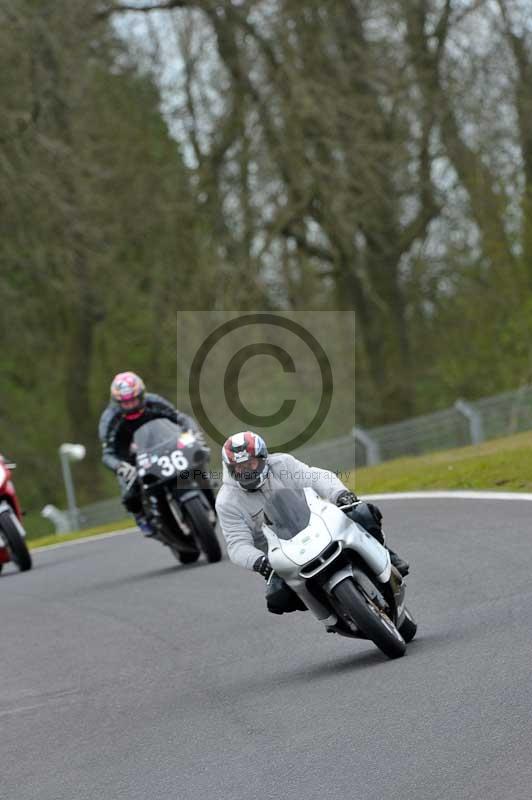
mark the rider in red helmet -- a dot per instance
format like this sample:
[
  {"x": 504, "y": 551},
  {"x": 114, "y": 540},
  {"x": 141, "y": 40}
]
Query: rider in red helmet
[
  {"x": 129, "y": 394},
  {"x": 130, "y": 408}
]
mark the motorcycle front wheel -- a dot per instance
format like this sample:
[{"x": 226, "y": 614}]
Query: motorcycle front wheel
[
  {"x": 369, "y": 619},
  {"x": 185, "y": 557},
  {"x": 15, "y": 542},
  {"x": 409, "y": 627}
]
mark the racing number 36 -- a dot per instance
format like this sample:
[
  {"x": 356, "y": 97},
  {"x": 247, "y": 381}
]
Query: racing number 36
[{"x": 174, "y": 463}]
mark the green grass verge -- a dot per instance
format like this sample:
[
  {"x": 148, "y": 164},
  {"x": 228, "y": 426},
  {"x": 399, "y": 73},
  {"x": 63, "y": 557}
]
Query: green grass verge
[
  {"x": 43, "y": 541},
  {"x": 35, "y": 525},
  {"x": 504, "y": 464}
]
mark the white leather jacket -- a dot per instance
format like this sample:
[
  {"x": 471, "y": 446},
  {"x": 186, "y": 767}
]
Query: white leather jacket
[{"x": 241, "y": 512}]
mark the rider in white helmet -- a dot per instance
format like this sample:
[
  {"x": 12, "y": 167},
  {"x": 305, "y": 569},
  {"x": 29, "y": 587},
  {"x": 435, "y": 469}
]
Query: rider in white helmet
[{"x": 250, "y": 476}]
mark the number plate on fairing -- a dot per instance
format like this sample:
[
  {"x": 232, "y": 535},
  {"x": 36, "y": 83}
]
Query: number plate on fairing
[{"x": 169, "y": 465}]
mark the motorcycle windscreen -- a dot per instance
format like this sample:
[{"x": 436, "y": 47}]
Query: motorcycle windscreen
[
  {"x": 152, "y": 434},
  {"x": 287, "y": 512}
]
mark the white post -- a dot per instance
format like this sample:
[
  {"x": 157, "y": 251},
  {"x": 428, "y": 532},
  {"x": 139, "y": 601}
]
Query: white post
[
  {"x": 476, "y": 428},
  {"x": 59, "y": 518},
  {"x": 373, "y": 453},
  {"x": 67, "y": 453}
]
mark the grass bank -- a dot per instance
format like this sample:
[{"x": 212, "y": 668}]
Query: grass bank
[{"x": 504, "y": 464}]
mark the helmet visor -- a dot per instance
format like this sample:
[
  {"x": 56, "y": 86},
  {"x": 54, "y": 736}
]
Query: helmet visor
[
  {"x": 131, "y": 404},
  {"x": 248, "y": 473}
]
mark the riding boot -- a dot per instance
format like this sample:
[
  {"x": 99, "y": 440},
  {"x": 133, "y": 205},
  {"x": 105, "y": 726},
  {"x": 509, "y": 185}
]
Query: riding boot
[
  {"x": 402, "y": 566},
  {"x": 144, "y": 526}
]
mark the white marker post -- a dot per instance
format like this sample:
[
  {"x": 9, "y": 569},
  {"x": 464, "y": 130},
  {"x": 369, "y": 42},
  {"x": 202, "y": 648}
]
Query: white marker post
[{"x": 67, "y": 453}]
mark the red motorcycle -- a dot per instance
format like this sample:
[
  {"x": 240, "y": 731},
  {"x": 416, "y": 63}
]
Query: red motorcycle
[{"x": 12, "y": 535}]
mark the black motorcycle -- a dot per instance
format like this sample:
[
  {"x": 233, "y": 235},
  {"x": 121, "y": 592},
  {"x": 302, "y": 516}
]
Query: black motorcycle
[{"x": 171, "y": 466}]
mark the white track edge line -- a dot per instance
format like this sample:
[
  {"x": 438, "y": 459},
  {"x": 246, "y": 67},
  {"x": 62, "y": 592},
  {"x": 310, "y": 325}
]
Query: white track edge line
[{"x": 457, "y": 494}]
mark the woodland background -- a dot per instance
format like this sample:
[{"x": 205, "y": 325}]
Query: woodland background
[{"x": 373, "y": 155}]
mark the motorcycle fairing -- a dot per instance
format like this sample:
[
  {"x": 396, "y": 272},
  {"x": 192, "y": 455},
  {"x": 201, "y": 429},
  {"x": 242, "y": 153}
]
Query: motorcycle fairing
[{"x": 326, "y": 523}]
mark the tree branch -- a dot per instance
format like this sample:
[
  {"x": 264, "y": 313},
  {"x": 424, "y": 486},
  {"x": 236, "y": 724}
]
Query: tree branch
[
  {"x": 516, "y": 42},
  {"x": 311, "y": 249},
  {"x": 475, "y": 6},
  {"x": 184, "y": 43},
  {"x": 146, "y": 9},
  {"x": 442, "y": 28},
  {"x": 416, "y": 229}
]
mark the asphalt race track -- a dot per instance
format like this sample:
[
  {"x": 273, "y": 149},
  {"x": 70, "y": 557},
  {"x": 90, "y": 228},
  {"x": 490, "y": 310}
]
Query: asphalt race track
[{"x": 124, "y": 675}]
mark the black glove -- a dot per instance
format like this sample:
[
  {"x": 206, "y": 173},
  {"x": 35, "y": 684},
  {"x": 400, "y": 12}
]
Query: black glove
[
  {"x": 376, "y": 512},
  {"x": 263, "y": 567},
  {"x": 346, "y": 499}
]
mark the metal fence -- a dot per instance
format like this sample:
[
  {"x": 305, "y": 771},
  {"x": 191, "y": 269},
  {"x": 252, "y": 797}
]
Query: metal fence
[
  {"x": 462, "y": 424},
  {"x": 102, "y": 512}
]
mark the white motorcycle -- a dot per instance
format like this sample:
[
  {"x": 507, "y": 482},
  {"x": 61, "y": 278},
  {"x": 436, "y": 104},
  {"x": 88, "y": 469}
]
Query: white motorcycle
[{"x": 342, "y": 574}]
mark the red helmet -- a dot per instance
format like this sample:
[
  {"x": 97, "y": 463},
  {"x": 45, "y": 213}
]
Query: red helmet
[
  {"x": 246, "y": 457},
  {"x": 127, "y": 391}
]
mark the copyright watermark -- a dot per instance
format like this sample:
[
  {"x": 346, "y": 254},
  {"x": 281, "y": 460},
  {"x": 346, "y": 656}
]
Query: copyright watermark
[{"x": 286, "y": 375}]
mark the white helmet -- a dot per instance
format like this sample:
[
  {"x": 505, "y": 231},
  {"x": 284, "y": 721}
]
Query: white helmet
[{"x": 246, "y": 457}]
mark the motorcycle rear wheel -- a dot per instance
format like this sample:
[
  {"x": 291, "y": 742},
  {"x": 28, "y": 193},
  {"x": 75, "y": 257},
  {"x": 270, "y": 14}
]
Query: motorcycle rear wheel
[
  {"x": 369, "y": 619},
  {"x": 204, "y": 531},
  {"x": 15, "y": 542}
]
